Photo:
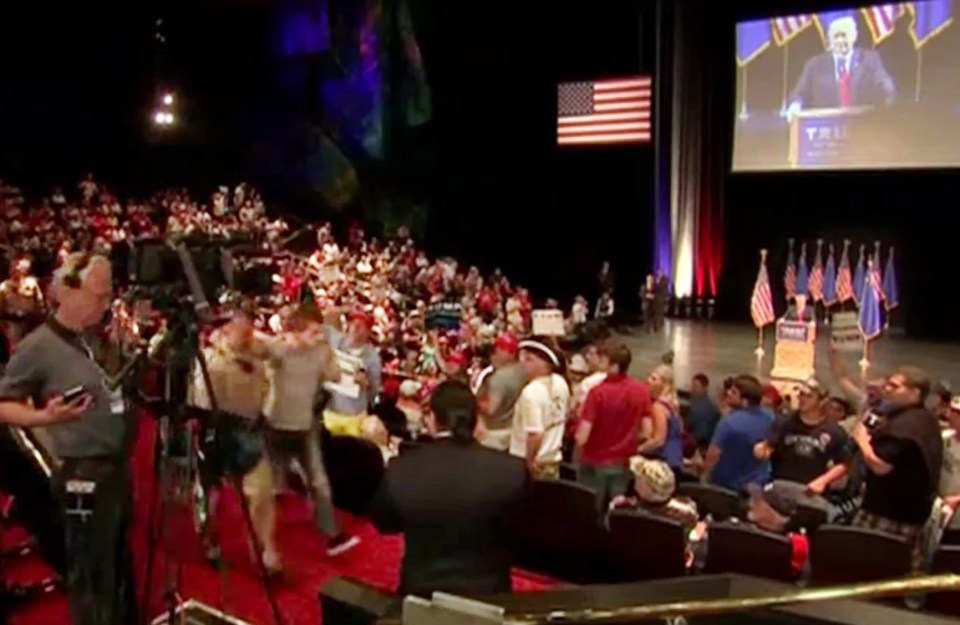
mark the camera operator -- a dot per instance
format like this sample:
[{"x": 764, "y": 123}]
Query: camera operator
[
  {"x": 54, "y": 367},
  {"x": 903, "y": 454}
]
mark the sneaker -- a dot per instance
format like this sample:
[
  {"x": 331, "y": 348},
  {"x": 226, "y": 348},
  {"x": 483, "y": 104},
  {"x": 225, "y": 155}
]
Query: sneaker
[{"x": 341, "y": 544}]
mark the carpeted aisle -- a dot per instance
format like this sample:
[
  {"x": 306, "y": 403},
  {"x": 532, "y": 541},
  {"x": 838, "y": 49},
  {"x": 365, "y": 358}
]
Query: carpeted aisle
[{"x": 237, "y": 589}]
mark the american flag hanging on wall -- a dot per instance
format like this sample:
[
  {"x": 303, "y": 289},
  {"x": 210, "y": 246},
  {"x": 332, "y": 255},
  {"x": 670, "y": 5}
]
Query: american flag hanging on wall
[{"x": 604, "y": 111}]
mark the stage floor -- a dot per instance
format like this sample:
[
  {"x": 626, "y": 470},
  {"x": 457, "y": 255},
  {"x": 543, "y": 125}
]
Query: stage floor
[{"x": 724, "y": 349}]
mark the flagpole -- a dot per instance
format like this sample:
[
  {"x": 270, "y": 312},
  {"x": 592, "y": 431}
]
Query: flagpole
[
  {"x": 759, "y": 351},
  {"x": 865, "y": 361},
  {"x": 786, "y": 64},
  {"x": 916, "y": 95},
  {"x": 743, "y": 94}
]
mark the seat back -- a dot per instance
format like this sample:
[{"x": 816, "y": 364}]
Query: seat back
[
  {"x": 561, "y": 533},
  {"x": 842, "y": 555},
  {"x": 721, "y": 504},
  {"x": 748, "y": 550},
  {"x": 355, "y": 468},
  {"x": 644, "y": 546}
]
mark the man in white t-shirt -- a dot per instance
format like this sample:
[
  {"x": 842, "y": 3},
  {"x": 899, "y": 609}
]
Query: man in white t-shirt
[{"x": 540, "y": 414}]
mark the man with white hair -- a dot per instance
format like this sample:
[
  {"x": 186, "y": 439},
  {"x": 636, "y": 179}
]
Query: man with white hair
[{"x": 843, "y": 76}]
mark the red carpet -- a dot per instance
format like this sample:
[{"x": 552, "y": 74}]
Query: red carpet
[{"x": 237, "y": 589}]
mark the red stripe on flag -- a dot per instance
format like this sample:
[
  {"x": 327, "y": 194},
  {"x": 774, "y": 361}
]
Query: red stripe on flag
[{"x": 608, "y": 111}]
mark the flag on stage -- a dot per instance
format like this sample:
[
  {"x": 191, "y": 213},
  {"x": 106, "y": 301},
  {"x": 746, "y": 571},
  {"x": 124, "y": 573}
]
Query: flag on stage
[
  {"x": 604, "y": 111},
  {"x": 844, "y": 281},
  {"x": 825, "y": 18},
  {"x": 752, "y": 39},
  {"x": 790, "y": 276},
  {"x": 882, "y": 19},
  {"x": 815, "y": 285},
  {"x": 830, "y": 280},
  {"x": 803, "y": 275},
  {"x": 761, "y": 304},
  {"x": 890, "y": 291},
  {"x": 859, "y": 276},
  {"x": 786, "y": 28},
  {"x": 870, "y": 321},
  {"x": 930, "y": 18}
]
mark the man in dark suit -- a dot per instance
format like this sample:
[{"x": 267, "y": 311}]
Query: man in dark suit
[
  {"x": 456, "y": 503},
  {"x": 842, "y": 76}
]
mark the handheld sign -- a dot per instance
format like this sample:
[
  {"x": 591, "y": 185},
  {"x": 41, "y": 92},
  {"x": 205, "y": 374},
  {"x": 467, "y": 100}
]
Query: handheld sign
[
  {"x": 845, "y": 335},
  {"x": 444, "y": 316},
  {"x": 548, "y": 323}
]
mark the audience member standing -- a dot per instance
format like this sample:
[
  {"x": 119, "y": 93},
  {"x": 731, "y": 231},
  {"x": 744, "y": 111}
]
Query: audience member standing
[
  {"x": 459, "y": 530},
  {"x": 904, "y": 458},
  {"x": 499, "y": 393},
  {"x": 537, "y": 431},
  {"x": 950, "y": 473},
  {"x": 663, "y": 438},
  {"x": 730, "y": 461},
  {"x": 704, "y": 415},
  {"x": 609, "y": 425}
]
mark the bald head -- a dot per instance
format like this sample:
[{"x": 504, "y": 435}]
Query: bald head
[{"x": 83, "y": 290}]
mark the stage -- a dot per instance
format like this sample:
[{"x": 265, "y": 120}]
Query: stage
[{"x": 725, "y": 349}]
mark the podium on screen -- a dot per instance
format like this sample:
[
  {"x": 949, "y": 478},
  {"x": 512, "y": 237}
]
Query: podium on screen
[
  {"x": 793, "y": 356},
  {"x": 825, "y": 137}
]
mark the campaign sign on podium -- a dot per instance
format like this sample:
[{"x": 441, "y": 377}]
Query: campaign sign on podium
[
  {"x": 793, "y": 357},
  {"x": 825, "y": 137}
]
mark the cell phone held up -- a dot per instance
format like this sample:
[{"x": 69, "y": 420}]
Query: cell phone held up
[{"x": 73, "y": 394}]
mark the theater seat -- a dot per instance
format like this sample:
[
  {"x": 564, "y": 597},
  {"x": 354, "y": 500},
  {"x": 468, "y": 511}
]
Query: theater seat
[
  {"x": 721, "y": 504},
  {"x": 841, "y": 555},
  {"x": 748, "y": 550},
  {"x": 643, "y": 546},
  {"x": 947, "y": 560},
  {"x": 561, "y": 534},
  {"x": 809, "y": 518},
  {"x": 355, "y": 468}
]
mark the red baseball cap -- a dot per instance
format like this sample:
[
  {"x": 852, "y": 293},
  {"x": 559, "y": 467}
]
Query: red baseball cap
[
  {"x": 361, "y": 316},
  {"x": 507, "y": 342}
]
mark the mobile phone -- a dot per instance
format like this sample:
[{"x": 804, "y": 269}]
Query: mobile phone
[{"x": 73, "y": 394}]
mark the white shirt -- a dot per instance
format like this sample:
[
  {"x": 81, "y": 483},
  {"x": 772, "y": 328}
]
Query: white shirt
[
  {"x": 844, "y": 60},
  {"x": 541, "y": 409}
]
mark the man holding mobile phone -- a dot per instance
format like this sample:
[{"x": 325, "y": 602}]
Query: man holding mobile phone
[{"x": 53, "y": 380}]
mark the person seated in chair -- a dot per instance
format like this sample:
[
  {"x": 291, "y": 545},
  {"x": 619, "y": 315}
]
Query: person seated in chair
[{"x": 654, "y": 488}]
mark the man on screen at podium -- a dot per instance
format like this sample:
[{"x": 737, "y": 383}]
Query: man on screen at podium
[
  {"x": 799, "y": 311},
  {"x": 842, "y": 76}
]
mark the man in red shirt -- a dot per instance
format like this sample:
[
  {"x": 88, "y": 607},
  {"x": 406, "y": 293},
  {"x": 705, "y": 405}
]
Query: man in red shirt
[{"x": 609, "y": 428}]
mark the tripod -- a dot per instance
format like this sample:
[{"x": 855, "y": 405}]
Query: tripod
[{"x": 182, "y": 344}]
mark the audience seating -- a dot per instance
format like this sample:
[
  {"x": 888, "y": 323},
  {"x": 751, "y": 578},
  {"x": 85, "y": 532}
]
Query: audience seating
[
  {"x": 721, "y": 504},
  {"x": 809, "y": 518},
  {"x": 561, "y": 534},
  {"x": 843, "y": 555},
  {"x": 643, "y": 546},
  {"x": 947, "y": 560},
  {"x": 748, "y": 550}
]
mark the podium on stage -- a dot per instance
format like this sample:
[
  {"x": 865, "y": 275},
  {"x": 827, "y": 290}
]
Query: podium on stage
[
  {"x": 793, "y": 356},
  {"x": 826, "y": 137}
]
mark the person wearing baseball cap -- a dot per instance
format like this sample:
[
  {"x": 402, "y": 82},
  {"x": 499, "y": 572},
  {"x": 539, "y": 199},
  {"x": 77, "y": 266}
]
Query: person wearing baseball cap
[
  {"x": 356, "y": 342},
  {"x": 805, "y": 447},
  {"x": 654, "y": 489},
  {"x": 499, "y": 389}
]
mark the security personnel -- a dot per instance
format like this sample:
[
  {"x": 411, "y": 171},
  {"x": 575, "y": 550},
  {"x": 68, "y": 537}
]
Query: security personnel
[{"x": 53, "y": 377}]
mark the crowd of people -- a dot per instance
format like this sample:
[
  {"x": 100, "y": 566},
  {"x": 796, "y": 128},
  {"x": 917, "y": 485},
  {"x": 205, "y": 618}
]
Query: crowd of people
[{"x": 370, "y": 338}]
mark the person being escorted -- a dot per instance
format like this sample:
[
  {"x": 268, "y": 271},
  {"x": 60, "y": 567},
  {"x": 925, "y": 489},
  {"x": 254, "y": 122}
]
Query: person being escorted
[
  {"x": 52, "y": 379},
  {"x": 300, "y": 362},
  {"x": 904, "y": 459},
  {"x": 541, "y": 413},
  {"x": 458, "y": 532}
]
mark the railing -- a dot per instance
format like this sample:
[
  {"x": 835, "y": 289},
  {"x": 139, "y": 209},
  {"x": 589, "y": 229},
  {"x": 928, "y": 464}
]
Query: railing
[
  {"x": 865, "y": 590},
  {"x": 450, "y": 610}
]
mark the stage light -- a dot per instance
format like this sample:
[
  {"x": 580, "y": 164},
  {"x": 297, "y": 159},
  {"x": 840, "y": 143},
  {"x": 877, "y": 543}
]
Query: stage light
[
  {"x": 168, "y": 119},
  {"x": 160, "y": 118},
  {"x": 168, "y": 99}
]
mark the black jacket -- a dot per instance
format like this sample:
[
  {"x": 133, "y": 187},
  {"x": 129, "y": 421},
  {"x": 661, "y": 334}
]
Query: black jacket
[{"x": 457, "y": 506}]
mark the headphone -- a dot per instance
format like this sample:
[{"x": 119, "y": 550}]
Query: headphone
[{"x": 73, "y": 279}]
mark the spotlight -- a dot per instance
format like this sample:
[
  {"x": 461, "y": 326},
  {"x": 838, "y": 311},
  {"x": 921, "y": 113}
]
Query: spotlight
[
  {"x": 160, "y": 118},
  {"x": 168, "y": 99},
  {"x": 168, "y": 119}
]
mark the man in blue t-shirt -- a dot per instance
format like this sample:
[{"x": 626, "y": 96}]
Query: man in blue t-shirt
[{"x": 730, "y": 461}]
